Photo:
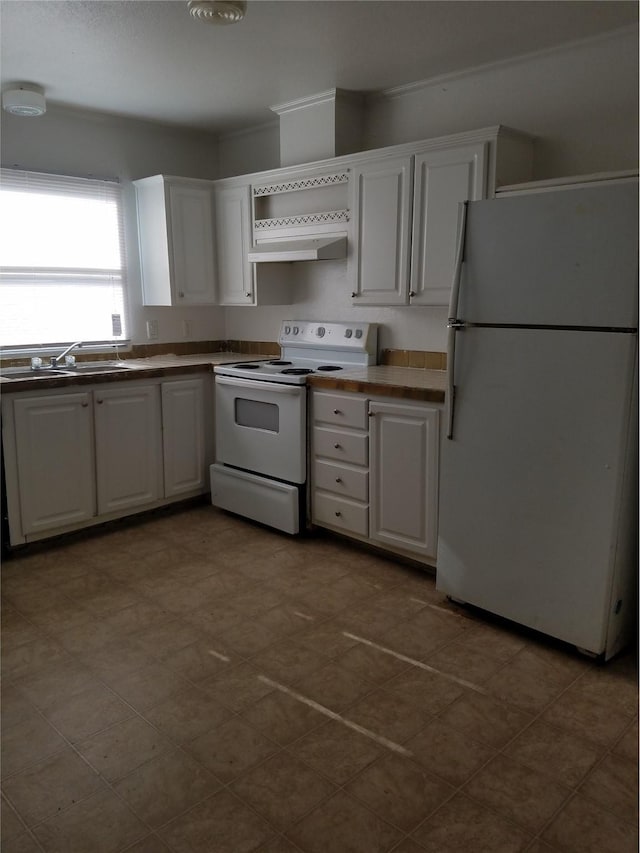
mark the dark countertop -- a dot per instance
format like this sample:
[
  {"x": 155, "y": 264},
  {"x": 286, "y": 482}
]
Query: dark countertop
[
  {"x": 407, "y": 383},
  {"x": 137, "y": 368}
]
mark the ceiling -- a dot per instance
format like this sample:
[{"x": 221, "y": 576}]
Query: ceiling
[{"x": 150, "y": 59}]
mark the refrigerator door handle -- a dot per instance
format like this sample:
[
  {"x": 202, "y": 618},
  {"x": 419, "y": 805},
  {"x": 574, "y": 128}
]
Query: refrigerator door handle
[
  {"x": 451, "y": 390},
  {"x": 457, "y": 270},
  {"x": 454, "y": 324}
]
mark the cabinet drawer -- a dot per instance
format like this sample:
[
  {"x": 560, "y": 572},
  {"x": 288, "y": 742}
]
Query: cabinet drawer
[
  {"x": 340, "y": 409},
  {"x": 339, "y": 512},
  {"x": 343, "y": 481},
  {"x": 343, "y": 446}
]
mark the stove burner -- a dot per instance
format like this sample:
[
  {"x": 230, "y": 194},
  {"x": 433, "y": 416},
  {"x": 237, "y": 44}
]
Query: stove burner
[
  {"x": 282, "y": 363},
  {"x": 297, "y": 371},
  {"x": 328, "y": 367},
  {"x": 247, "y": 366}
]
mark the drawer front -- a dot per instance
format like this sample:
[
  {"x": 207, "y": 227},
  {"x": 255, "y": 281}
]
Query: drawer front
[
  {"x": 343, "y": 481},
  {"x": 341, "y": 410},
  {"x": 342, "y": 446},
  {"x": 341, "y": 513}
]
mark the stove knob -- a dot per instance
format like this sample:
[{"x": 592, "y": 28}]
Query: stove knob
[
  {"x": 358, "y": 333},
  {"x": 287, "y": 330},
  {"x": 295, "y": 330},
  {"x": 320, "y": 331},
  {"x": 348, "y": 333}
]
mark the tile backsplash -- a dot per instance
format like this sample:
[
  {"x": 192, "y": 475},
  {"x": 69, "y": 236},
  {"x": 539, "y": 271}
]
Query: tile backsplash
[
  {"x": 393, "y": 357},
  {"x": 414, "y": 358}
]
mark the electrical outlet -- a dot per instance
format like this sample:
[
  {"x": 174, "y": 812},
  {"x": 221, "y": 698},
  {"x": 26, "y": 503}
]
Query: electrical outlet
[
  {"x": 152, "y": 330},
  {"x": 116, "y": 325},
  {"x": 186, "y": 328}
]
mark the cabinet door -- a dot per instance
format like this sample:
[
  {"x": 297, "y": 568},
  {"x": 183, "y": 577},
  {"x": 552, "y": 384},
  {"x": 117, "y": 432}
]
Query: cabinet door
[
  {"x": 183, "y": 437},
  {"x": 192, "y": 244},
  {"x": 54, "y": 444},
  {"x": 404, "y": 443},
  {"x": 381, "y": 206},
  {"x": 128, "y": 455},
  {"x": 443, "y": 179},
  {"x": 233, "y": 228}
]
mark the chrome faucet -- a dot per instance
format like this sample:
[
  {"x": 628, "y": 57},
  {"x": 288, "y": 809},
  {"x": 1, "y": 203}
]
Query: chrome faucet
[{"x": 56, "y": 358}]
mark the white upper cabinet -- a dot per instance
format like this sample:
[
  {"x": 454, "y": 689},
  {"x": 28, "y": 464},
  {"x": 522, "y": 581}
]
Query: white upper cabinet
[
  {"x": 241, "y": 282},
  {"x": 443, "y": 179},
  {"x": 233, "y": 236},
  {"x": 406, "y": 210},
  {"x": 381, "y": 229},
  {"x": 176, "y": 238}
]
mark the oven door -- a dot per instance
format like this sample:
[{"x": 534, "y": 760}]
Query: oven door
[{"x": 261, "y": 427}]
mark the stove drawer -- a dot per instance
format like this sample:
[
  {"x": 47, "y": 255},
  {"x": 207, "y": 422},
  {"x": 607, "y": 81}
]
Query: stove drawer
[
  {"x": 340, "y": 513},
  {"x": 344, "y": 446},
  {"x": 341, "y": 409},
  {"x": 341, "y": 480}
]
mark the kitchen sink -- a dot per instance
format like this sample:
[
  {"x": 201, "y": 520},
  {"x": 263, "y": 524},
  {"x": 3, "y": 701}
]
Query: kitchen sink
[
  {"x": 78, "y": 370},
  {"x": 27, "y": 373},
  {"x": 95, "y": 367}
]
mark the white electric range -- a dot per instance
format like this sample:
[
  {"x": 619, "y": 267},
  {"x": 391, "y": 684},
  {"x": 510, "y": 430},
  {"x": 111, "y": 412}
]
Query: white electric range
[
  {"x": 261, "y": 419},
  {"x": 311, "y": 348}
]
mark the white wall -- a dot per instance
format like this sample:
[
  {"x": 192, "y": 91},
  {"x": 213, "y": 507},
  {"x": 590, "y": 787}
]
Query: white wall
[
  {"x": 82, "y": 143},
  {"x": 580, "y": 102},
  {"x": 582, "y": 105},
  {"x": 258, "y": 146},
  {"x": 322, "y": 292}
]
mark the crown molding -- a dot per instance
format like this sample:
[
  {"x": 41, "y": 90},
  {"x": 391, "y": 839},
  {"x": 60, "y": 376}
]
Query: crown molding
[{"x": 449, "y": 77}]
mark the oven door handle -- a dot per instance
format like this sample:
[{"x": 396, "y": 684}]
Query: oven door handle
[{"x": 276, "y": 388}]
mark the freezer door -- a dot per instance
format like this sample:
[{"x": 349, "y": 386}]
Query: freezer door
[
  {"x": 563, "y": 258},
  {"x": 531, "y": 480}
]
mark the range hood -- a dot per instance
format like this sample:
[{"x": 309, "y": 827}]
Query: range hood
[{"x": 320, "y": 249}]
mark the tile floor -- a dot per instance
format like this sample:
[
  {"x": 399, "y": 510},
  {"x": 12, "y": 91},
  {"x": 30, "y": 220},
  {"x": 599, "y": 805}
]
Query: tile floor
[{"x": 193, "y": 682}]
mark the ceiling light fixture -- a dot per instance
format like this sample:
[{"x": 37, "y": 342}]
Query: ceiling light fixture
[
  {"x": 24, "y": 100},
  {"x": 217, "y": 11}
]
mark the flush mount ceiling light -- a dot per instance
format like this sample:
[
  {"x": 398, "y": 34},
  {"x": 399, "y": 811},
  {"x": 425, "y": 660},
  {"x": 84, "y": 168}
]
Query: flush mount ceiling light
[
  {"x": 218, "y": 11},
  {"x": 24, "y": 100}
]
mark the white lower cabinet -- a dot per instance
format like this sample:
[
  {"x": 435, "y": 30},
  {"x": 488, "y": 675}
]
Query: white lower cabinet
[
  {"x": 184, "y": 444},
  {"x": 374, "y": 471},
  {"x": 54, "y": 455},
  {"x": 340, "y": 462},
  {"x": 75, "y": 458},
  {"x": 128, "y": 454},
  {"x": 403, "y": 460}
]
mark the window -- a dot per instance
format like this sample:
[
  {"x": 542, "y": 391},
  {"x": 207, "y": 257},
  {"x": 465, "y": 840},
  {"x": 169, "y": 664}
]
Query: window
[{"x": 62, "y": 261}]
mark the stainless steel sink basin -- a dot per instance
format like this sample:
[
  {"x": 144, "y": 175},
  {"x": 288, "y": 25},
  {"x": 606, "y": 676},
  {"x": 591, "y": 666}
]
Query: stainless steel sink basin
[
  {"x": 78, "y": 370},
  {"x": 27, "y": 373},
  {"x": 95, "y": 367}
]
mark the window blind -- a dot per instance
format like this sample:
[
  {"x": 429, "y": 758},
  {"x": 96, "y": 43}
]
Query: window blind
[{"x": 62, "y": 261}]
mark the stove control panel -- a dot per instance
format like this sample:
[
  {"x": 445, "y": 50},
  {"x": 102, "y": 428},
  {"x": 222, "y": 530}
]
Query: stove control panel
[{"x": 353, "y": 337}]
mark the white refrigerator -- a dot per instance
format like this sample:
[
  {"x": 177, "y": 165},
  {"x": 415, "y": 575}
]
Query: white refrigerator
[{"x": 538, "y": 484}]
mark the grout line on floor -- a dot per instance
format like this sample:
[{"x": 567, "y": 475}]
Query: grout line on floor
[
  {"x": 212, "y": 652},
  {"x": 461, "y": 681},
  {"x": 303, "y": 615},
  {"x": 383, "y": 741}
]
